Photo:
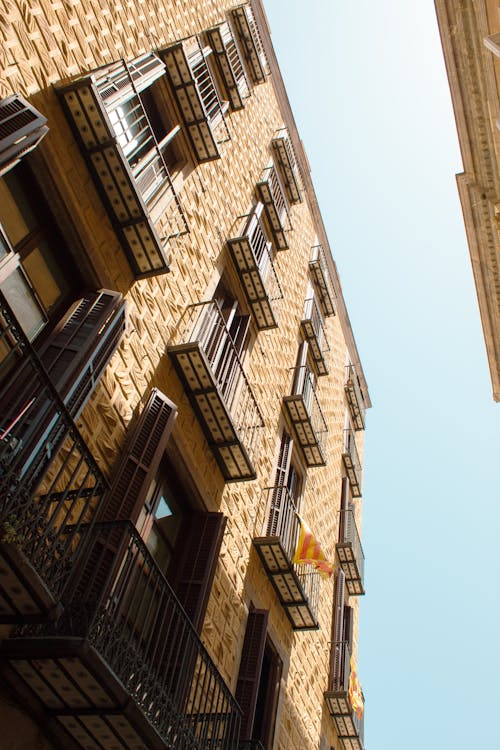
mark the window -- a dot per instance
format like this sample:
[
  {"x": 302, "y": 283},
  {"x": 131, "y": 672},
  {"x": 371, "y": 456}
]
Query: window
[
  {"x": 259, "y": 678},
  {"x": 37, "y": 276},
  {"x": 124, "y": 119}
]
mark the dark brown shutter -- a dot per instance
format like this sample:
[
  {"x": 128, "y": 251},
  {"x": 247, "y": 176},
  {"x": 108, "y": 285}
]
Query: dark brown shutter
[
  {"x": 199, "y": 546},
  {"x": 22, "y": 128},
  {"x": 344, "y": 505},
  {"x": 77, "y": 351},
  {"x": 348, "y": 625},
  {"x": 141, "y": 458},
  {"x": 247, "y": 687}
]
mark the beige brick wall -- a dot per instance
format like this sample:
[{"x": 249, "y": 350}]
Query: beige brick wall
[{"x": 42, "y": 43}]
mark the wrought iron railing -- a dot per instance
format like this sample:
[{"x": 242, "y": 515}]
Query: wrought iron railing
[
  {"x": 261, "y": 247},
  {"x": 313, "y": 314},
  {"x": 304, "y": 385},
  {"x": 213, "y": 106},
  {"x": 348, "y": 534},
  {"x": 283, "y": 521},
  {"x": 235, "y": 61},
  {"x": 120, "y": 601},
  {"x": 352, "y": 451},
  {"x": 319, "y": 268},
  {"x": 352, "y": 384},
  {"x": 49, "y": 481},
  {"x": 340, "y": 674},
  {"x": 271, "y": 177},
  {"x": 204, "y": 323}
]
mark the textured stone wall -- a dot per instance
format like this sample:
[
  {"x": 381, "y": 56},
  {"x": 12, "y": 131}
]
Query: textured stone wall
[{"x": 43, "y": 43}]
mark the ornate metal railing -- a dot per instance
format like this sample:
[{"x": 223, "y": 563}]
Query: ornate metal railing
[
  {"x": 261, "y": 250},
  {"x": 271, "y": 177},
  {"x": 282, "y": 521},
  {"x": 348, "y": 534},
  {"x": 121, "y": 602},
  {"x": 323, "y": 281},
  {"x": 204, "y": 323},
  {"x": 355, "y": 397},
  {"x": 304, "y": 385},
  {"x": 313, "y": 314},
  {"x": 49, "y": 481},
  {"x": 351, "y": 450},
  {"x": 339, "y": 676}
]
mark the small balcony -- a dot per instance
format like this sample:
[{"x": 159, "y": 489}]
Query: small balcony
[
  {"x": 123, "y": 667},
  {"x": 195, "y": 92},
  {"x": 251, "y": 253},
  {"x": 287, "y": 164},
  {"x": 250, "y": 42},
  {"x": 355, "y": 398},
  {"x": 22, "y": 127},
  {"x": 297, "y": 586},
  {"x": 129, "y": 163},
  {"x": 350, "y": 553},
  {"x": 49, "y": 482},
  {"x": 352, "y": 463},
  {"x": 209, "y": 366},
  {"x": 322, "y": 280},
  {"x": 348, "y": 724},
  {"x": 313, "y": 330},
  {"x": 306, "y": 417},
  {"x": 229, "y": 65},
  {"x": 270, "y": 192}
]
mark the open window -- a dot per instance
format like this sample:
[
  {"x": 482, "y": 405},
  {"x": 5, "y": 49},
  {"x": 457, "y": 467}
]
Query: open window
[{"x": 134, "y": 145}]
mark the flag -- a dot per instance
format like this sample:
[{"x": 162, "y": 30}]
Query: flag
[
  {"x": 355, "y": 692},
  {"x": 308, "y": 551}
]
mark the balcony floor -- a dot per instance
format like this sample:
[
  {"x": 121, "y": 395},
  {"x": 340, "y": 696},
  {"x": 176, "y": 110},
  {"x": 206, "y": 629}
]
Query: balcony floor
[
  {"x": 274, "y": 218},
  {"x": 253, "y": 283},
  {"x": 24, "y": 597},
  {"x": 349, "y": 565},
  {"x": 304, "y": 430},
  {"x": 286, "y": 583},
  {"x": 346, "y": 723},
  {"x": 352, "y": 474},
  {"x": 74, "y": 692},
  {"x": 196, "y": 374},
  {"x": 317, "y": 352}
]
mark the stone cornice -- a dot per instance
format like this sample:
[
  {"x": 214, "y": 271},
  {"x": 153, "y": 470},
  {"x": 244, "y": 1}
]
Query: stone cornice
[{"x": 311, "y": 198}]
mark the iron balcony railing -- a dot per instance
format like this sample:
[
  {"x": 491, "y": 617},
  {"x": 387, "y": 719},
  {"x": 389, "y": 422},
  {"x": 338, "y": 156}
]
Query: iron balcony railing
[
  {"x": 313, "y": 315},
  {"x": 283, "y": 522},
  {"x": 322, "y": 279},
  {"x": 49, "y": 481},
  {"x": 204, "y": 324},
  {"x": 355, "y": 397},
  {"x": 213, "y": 106},
  {"x": 348, "y": 534},
  {"x": 271, "y": 177},
  {"x": 261, "y": 251},
  {"x": 304, "y": 385},
  {"x": 352, "y": 457},
  {"x": 250, "y": 42},
  {"x": 121, "y": 603},
  {"x": 339, "y": 678}
]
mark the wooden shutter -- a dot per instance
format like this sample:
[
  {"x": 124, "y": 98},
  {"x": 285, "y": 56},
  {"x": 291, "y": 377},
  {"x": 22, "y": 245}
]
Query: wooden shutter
[
  {"x": 247, "y": 687},
  {"x": 141, "y": 458},
  {"x": 81, "y": 345},
  {"x": 348, "y": 625},
  {"x": 280, "y": 483},
  {"x": 120, "y": 81},
  {"x": 22, "y": 128},
  {"x": 344, "y": 505},
  {"x": 198, "y": 546}
]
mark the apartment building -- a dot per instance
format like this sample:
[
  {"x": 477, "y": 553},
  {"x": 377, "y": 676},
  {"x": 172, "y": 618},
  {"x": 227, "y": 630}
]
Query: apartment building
[
  {"x": 470, "y": 35},
  {"x": 182, "y": 403}
]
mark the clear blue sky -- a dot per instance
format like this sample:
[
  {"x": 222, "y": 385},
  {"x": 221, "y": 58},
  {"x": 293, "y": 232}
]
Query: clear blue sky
[{"x": 368, "y": 87}]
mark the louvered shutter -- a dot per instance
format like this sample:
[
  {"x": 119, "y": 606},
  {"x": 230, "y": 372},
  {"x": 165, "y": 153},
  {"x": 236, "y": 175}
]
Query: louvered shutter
[
  {"x": 198, "y": 548},
  {"x": 344, "y": 505},
  {"x": 81, "y": 345},
  {"x": 247, "y": 687},
  {"x": 280, "y": 483},
  {"x": 22, "y": 128},
  {"x": 120, "y": 81},
  {"x": 337, "y": 649},
  {"x": 141, "y": 459}
]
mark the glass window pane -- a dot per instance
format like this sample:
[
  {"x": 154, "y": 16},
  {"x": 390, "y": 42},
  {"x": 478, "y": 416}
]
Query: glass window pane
[{"x": 24, "y": 306}]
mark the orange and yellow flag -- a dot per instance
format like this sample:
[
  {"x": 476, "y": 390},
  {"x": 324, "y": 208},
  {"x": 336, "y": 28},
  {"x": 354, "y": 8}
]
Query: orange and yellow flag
[
  {"x": 355, "y": 692},
  {"x": 309, "y": 552}
]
